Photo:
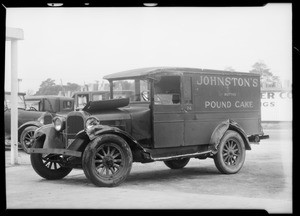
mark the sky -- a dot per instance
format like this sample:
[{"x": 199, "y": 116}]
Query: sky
[{"x": 81, "y": 45}]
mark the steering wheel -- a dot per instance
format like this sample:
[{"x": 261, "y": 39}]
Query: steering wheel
[
  {"x": 145, "y": 95},
  {"x": 33, "y": 109}
]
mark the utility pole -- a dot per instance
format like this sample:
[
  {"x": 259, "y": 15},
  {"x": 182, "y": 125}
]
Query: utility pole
[{"x": 62, "y": 87}]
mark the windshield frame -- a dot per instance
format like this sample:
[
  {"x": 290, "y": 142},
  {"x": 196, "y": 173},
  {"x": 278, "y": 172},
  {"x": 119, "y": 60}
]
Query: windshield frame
[{"x": 135, "y": 97}]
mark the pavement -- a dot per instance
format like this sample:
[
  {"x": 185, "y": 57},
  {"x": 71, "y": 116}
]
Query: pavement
[
  {"x": 78, "y": 186},
  {"x": 265, "y": 182}
]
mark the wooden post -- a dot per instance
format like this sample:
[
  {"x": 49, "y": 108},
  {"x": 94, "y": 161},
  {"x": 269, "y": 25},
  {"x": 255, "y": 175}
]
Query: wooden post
[
  {"x": 13, "y": 35},
  {"x": 14, "y": 102}
]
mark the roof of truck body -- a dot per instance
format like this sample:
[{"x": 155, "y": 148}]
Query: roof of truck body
[{"x": 147, "y": 72}]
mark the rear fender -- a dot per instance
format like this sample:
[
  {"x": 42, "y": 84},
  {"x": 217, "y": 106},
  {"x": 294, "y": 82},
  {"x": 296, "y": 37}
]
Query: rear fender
[{"x": 220, "y": 130}]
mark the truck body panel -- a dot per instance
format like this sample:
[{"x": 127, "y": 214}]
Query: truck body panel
[{"x": 207, "y": 99}]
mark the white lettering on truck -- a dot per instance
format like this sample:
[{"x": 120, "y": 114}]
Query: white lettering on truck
[
  {"x": 227, "y": 81},
  {"x": 227, "y": 104}
]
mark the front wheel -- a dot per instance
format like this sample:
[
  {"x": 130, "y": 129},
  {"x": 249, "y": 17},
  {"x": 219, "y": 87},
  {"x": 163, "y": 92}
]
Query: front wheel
[
  {"x": 231, "y": 153},
  {"x": 177, "y": 163},
  {"x": 48, "y": 166},
  {"x": 26, "y": 138},
  {"x": 107, "y": 160}
]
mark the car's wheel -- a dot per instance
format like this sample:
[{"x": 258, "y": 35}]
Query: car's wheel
[
  {"x": 48, "y": 166},
  {"x": 177, "y": 163},
  {"x": 231, "y": 153},
  {"x": 107, "y": 160},
  {"x": 26, "y": 138}
]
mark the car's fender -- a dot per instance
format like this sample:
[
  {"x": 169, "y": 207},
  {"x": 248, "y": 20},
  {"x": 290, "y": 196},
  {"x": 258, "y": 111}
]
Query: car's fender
[
  {"x": 220, "y": 130},
  {"x": 99, "y": 130},
  {"x": 52, "y": 138},
  {"x": 27, "y": 124}
]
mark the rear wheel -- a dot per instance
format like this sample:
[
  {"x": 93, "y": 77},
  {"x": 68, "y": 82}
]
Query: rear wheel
[
  {"x": 26, "y": 138},
  {"x": 107, "y": 160},
  {"x": 177, "y": 163},
  {"x": 231, "y": 153},
  {"x": 48, "y": 166}
]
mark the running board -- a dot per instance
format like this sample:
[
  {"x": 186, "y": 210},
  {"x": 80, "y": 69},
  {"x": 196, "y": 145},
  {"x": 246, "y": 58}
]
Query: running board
[{"x": 180, "y": 156}]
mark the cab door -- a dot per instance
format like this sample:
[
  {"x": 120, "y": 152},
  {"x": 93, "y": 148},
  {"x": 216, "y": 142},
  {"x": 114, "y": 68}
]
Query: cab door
[
  {"x": 192, "y": 132},
  {"x": 168, "y": 119}
]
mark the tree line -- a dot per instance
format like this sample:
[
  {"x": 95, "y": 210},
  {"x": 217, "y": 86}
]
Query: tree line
[{"x": 48, "y": 87}]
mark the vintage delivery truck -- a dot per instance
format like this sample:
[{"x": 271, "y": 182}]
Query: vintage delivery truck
[{"x": 167, "y": 114}]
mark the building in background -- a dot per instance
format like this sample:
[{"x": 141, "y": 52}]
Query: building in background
[{"x": 276, "y": 99}]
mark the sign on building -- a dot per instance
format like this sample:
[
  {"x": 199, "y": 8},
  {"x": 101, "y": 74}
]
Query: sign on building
[{"x": 276, "y": 105}]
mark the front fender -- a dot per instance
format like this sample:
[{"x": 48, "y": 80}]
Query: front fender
[
  {"x": 104, "y": 129},
  {"x": 53, "y": 138},
  {"x": 220, "y": 130}
]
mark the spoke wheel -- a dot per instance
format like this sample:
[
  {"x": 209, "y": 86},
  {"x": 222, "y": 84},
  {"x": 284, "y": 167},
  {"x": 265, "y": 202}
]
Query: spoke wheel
[
  {"x": 231, "y": 153},
  {"x": 26, "y": 138},
  {"x": 107, "y": 160},
  {"x": 52, "y": 162},
  {"x": 48, "y": 166}
]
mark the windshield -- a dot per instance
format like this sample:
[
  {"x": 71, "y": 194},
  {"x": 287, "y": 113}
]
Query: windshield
[
  {"x": 82, "y": 100},
  {"x": 100, "y": 96},
  {"x": 7, "y": 102},
  {"x": 33, "y": 103},
  {"x": 135, "y": 90}
]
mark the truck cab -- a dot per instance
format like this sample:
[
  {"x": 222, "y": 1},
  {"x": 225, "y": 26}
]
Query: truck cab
[{"x": 163, "y": 114}]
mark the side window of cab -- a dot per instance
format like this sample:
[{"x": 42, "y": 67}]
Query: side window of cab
[
  {"x": 67, "y": 105},
  {"x": 167, "y": 91}
]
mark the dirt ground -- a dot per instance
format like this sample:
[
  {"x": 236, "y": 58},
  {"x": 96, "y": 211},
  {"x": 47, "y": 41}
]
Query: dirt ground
[{"x": 264, "y": 182}]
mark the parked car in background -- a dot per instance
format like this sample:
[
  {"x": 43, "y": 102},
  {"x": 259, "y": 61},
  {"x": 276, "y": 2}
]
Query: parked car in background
[
  {"x": 57, "y": 105},
  {"x": 172, "y": 115},
  {"x": 29, "y": 119},
  {"x": 81, "y": 98}
]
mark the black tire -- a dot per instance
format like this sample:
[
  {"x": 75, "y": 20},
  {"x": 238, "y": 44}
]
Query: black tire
[
  {"x": 107, "y": 160},
  {"x": 26, "y": 138},
  {"x": 231, "y": 153},
  {"x": 48, "y": 166},
  {"x": 177, "y": 163}
]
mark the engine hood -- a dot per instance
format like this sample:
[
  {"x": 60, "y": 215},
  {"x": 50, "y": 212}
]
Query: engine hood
[{"x": 135, "y": 119}]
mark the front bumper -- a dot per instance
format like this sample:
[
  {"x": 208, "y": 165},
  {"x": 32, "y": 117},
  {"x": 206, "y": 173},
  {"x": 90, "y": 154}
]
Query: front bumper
[{"x": 55, "y": 151}]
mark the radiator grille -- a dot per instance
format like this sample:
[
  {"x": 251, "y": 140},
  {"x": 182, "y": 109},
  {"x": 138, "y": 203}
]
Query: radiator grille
[
  {"x": 74, "y": 125},
  {"x": 48, "y": 119}
]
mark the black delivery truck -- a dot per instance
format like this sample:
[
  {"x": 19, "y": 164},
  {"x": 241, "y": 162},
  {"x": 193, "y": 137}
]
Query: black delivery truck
[{"x": 165, "y": 114}]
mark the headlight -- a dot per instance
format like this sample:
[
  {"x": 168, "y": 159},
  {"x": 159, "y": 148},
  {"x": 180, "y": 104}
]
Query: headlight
[
  {"x": 59, "y": 123},
  {"x": 41, "y": 120},
  {"x": 91, "y": 121}
]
